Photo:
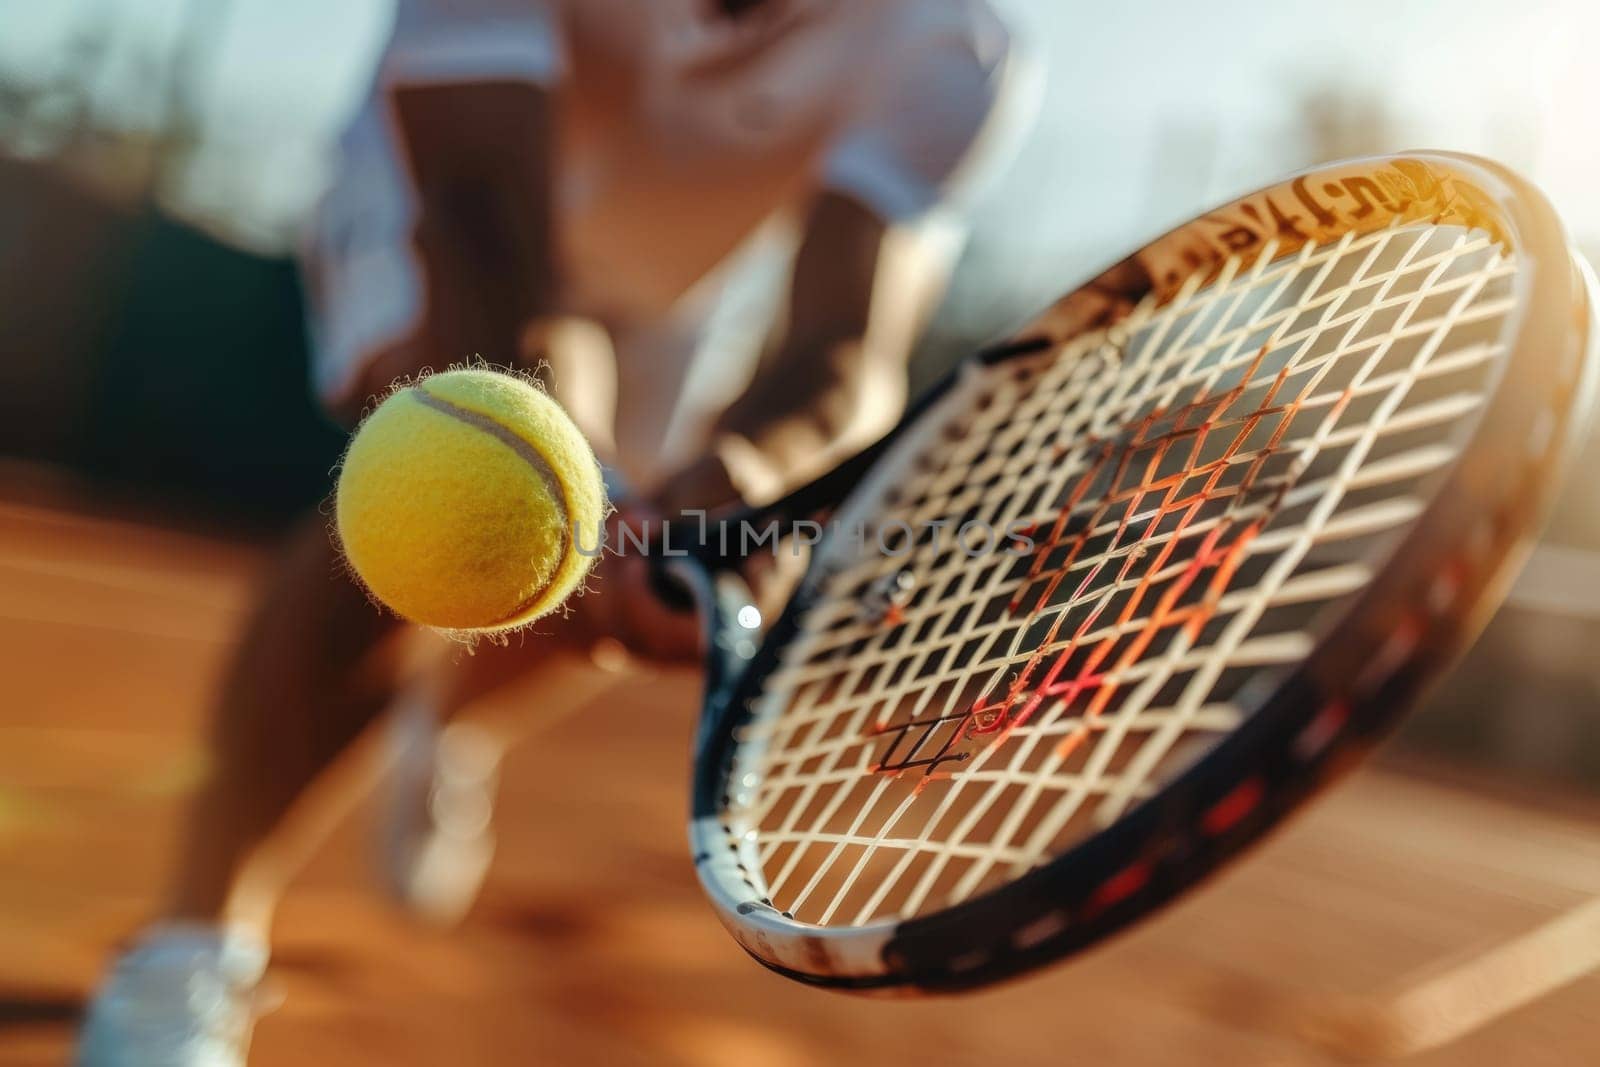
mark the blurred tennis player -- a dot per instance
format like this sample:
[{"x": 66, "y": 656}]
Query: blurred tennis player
[{"x": 725, "y": 225}]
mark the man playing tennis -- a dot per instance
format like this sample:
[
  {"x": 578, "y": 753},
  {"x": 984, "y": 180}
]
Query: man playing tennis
[{"x": 778, "y": 184}]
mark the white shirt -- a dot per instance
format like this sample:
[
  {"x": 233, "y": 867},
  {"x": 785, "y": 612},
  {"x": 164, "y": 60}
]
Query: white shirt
[{"x": 682, "y": 131}]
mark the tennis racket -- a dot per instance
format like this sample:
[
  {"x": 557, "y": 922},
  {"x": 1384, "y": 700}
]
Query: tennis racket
[{"x": 1124, "y": 591}]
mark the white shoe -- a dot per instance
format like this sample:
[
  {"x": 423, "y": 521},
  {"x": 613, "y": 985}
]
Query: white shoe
[
  {"x": 183, "y": 996},
  {"x": 437, "y": 833}
]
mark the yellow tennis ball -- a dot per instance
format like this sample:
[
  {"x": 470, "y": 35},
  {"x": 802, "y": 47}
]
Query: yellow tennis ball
[{"x": 463, "y": 500}]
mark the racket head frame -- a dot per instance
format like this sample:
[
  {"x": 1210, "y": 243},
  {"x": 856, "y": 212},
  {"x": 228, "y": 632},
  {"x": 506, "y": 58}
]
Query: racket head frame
[{"x": 1437, "y": 588}]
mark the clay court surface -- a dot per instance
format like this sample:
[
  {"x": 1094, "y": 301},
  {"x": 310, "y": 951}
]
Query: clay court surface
[{"x": 592, "y": 944}]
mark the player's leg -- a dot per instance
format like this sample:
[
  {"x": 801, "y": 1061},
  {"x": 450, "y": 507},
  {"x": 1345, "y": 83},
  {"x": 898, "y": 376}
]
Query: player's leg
[
  {"x": 446, "y": 734},
  {"x": 317, "y": 664}
]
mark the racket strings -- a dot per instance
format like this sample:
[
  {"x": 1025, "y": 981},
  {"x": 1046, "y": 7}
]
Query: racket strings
[{"x": 1195, "y": 486}]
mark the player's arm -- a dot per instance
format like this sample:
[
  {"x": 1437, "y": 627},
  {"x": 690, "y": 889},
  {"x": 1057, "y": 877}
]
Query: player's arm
[
  {"x": 478, "y": 155},
  {"x": 434, "y": 242},
  {"x": 830, "y": 381},
  {"x": 867, "y": 273}
]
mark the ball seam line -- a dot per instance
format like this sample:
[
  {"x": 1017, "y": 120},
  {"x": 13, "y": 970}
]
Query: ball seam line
[{"x": 535, "y": 460}]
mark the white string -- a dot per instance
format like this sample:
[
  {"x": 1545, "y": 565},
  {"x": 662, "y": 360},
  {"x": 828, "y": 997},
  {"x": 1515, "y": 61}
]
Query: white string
[{"x": 1364, "y": 357}]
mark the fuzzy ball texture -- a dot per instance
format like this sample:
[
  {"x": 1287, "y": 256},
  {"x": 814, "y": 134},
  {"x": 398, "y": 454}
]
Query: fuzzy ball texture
[{"x": 458, "y": 501}]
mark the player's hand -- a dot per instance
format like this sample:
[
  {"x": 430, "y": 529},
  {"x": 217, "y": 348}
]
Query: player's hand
[
  {"x": 621, "y": 601},
  {"x": 797, "y": 423}
]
